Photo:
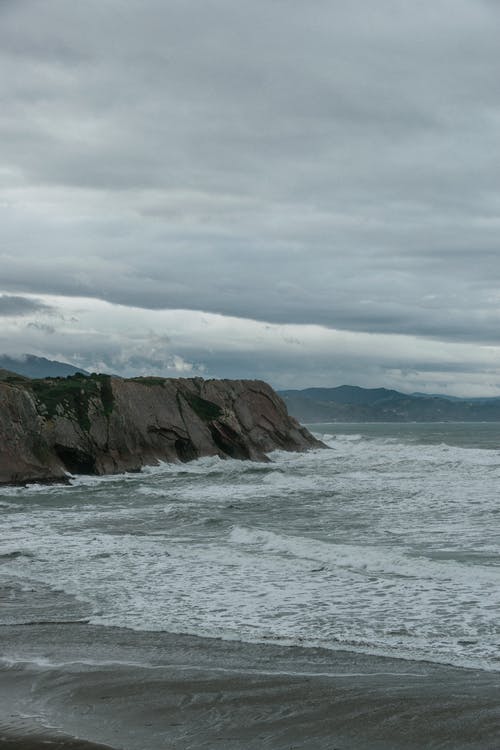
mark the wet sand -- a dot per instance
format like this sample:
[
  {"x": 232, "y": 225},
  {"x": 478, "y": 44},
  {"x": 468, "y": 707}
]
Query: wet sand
[
  {"x": 35, "y": 738},
  {"x": 155, "y": 691}
]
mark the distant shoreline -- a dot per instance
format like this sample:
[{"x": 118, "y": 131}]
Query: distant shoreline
[
  {"x": 405, "y": 421},
  {"x": 348, "y": 403}
]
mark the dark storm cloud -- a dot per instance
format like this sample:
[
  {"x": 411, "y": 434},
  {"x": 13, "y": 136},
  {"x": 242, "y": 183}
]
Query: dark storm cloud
[{"x": 324, "y": 162}]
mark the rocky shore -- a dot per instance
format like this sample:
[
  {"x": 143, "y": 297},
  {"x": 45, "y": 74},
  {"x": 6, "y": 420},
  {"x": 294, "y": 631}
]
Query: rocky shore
[{"x": 100, "y": 424}]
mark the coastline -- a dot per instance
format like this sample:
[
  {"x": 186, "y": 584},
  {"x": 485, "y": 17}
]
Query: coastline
[
  {"x": 154, "y": 690},
  {"x": 33, "y": 737}
]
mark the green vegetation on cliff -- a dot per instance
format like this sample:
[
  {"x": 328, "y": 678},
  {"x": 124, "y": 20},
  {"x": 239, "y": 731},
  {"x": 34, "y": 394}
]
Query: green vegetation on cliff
[
  {"x": 149, "y": 380},
  {"x": 71, "y": 396}
]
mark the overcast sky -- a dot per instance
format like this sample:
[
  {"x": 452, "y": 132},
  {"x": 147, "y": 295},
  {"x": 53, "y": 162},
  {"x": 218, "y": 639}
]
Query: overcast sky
[{"x": 307, "y": 192}]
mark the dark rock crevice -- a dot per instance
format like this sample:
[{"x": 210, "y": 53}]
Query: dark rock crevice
[
  {"x": 229, "y": 442},
  {"x": 183, "y": 445},
  {"x": 75, "y": 460}
]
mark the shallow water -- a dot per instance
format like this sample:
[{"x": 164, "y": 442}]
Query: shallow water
[{"x": 387, "y": 543}]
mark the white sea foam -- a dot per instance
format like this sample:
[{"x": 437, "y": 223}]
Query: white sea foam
[
  {"x": 364, "y": 560},
  {"x": 380, "y": 544}
]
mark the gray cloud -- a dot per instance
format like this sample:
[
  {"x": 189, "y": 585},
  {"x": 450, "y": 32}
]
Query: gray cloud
[
  {"x": 130, "y": 341},
  {"x": 12, "y": 306},
  {"x": 43, "y": 327},
  {"x": 321, "y": 163}
]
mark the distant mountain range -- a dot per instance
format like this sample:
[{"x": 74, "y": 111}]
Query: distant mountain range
[
  {"x": 349, "y": 403},
  {"x": 37, "y": 367}
]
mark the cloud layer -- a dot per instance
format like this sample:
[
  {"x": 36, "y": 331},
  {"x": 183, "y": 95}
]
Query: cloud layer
[
  {"x": 100, "y": 336},
  {"x": 323, "y": 165}
]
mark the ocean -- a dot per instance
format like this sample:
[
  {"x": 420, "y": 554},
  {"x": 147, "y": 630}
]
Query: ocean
[{"x": 387, "y": 543}]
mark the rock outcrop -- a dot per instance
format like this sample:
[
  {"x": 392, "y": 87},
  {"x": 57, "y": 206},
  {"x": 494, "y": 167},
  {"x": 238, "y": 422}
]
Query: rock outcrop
[{"x": 104, "y": 425}]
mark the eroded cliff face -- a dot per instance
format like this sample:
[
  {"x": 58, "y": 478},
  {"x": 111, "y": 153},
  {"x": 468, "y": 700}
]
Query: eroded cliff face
[{"x": 105, "y": 425}]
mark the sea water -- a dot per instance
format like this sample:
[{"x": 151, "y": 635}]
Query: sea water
[{"x": 387, "y": 542}]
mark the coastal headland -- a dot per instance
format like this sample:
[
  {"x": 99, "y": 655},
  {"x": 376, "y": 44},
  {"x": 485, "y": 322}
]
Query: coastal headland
[{"x": 100, "y": 424}]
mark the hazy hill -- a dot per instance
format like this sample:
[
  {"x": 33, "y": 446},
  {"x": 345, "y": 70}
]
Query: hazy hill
[
  {"x": 354, "y": 404},
  {"x": 37, "y": 367},
  {"x": 348, "y": 394}
]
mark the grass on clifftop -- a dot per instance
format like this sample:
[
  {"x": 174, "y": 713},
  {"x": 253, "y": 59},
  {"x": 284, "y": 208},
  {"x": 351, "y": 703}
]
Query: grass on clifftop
[
  {"x": 71, "y": 396},
  {"x": 149, "y": 380},
  {"x": 12, "y": 377}
]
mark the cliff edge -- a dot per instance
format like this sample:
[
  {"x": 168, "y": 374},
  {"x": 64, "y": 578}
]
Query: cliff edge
[{"x": 100, "y": 424}]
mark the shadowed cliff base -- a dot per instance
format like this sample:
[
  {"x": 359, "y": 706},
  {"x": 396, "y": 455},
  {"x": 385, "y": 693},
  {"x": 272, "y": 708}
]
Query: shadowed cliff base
[{"x": 100, "y": 424}]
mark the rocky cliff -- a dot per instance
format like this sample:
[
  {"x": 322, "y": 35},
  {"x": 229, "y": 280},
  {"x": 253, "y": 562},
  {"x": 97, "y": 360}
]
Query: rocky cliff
[{"x": 104, "y": 425}]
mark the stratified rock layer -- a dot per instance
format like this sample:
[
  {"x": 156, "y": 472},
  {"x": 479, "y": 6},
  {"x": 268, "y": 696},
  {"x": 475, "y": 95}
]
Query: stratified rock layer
[{"x": 106, "y": 425}]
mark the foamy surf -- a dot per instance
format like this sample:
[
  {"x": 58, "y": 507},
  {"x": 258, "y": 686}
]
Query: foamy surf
[{"x": 383, "y": 544}]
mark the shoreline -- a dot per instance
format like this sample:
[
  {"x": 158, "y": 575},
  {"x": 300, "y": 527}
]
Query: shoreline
[
  {"x": 127, "y": 690},
  {"x": 25, "y": 736}
]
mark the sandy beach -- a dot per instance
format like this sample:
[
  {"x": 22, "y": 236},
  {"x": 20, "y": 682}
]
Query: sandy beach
[
  {"x": 24, "y": 737},
  {"x": 152, "y": 691}
]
